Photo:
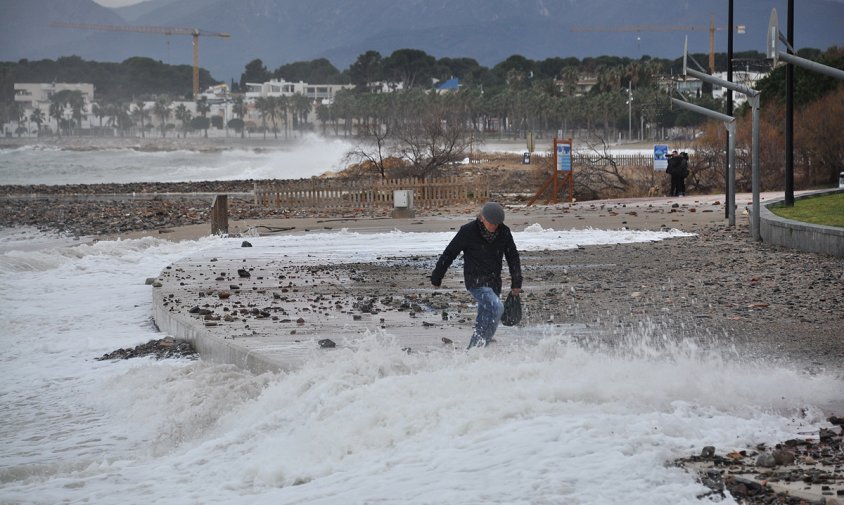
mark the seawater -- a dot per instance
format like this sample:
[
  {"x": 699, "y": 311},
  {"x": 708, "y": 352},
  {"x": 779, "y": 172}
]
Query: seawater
[
  {"x": 545, "y": 421},
  {"x": 48, "y": 164}
]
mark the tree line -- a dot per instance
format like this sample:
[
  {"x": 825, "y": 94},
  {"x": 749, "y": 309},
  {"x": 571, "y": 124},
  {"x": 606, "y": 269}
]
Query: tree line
[{"x": 140, "y": 77}]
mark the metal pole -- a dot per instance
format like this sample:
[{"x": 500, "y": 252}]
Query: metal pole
[
  {"x": 729, "y": 85},
  {"x": 789, "y": 114},
  {"x": 642, "y": 127},
  {"x": 630, "y": 111},
  {"x": 195, "y": 64},
  {"x": 756, "y": 181},
  {"x": 731, "y": 153},
  {"x": 811, "y": 65},
  {"x": 729, "y": 69}
]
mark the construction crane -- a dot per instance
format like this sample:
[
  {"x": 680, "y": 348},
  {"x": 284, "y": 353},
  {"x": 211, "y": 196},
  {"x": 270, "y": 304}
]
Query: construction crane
[
  {"x": 161, "y": 30},
  {"x": 666, "y": 28}
]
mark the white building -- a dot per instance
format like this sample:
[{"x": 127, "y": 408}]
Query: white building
[
  {"x": 323, "y": 93},
  {"x": 37, "y": 96},
  {"x": 317, "y": 94}
]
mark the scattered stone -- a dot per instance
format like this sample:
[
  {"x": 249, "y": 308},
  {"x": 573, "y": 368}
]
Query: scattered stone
[
  {"x": 327, "y": 343},
  {"x": 245, "y": 243},
  {"x": 799, "y": 471},
  {"x": 783, "y": 457},
  {"x": 766, "y": 460},
  {"x": 243, "y": 273},
  {"x": 159, "y": 349}
]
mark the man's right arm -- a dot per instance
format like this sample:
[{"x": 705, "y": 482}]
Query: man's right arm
[{"x": 446, "y": 258}]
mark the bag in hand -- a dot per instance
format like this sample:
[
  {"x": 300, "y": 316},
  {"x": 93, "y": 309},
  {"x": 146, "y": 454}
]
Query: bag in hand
[{"x": 512, "y": 310}]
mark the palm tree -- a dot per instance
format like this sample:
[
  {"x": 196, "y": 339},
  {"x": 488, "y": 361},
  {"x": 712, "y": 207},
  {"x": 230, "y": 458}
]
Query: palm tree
[
  {"x": 273, "y": 113},
  {"x": 120, "y": 117},
  {"x": 161, "y": 108},
  {"x": 282, "y": 107},
  {"x": 569, "y": 77},
  {"x": 203, "y": 108},
  {"x": 111, "y": 111},
  {"x": 19, "y": 115},
  {"x": 141, "y": 114},
  {"x": 264, "y": 105},
  {"x": 301, "y": 107},
  {"x": 239, "y": 108},
  {"x": 37, "y": 117},
  {"x": 56, "y": 111},
  {"x": 183, "y": 115},
  {"x": 100, "y": 112},
  {"x": 77, "y": 106}
]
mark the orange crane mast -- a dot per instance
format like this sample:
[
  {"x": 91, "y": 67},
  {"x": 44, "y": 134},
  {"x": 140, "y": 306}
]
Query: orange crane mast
[
  {"x": 666, "y": 28},
  {"x": 161, "y": 30}
]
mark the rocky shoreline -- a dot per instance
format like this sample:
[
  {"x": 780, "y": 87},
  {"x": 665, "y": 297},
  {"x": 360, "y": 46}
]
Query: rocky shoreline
[
  {"x": 800, "y": 471},
  {"x": 778, "y": 303},
  {"x": 163, "y": 348},
  {"x": 109, "y": 209}
]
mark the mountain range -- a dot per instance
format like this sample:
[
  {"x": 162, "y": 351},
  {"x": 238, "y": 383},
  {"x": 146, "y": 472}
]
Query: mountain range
[{"x": 285, "y": 31}]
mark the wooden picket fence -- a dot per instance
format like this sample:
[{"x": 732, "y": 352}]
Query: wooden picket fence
[{"x": 371, "y": 193}]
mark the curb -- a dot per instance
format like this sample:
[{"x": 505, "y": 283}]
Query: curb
[{"x": 807, "y": 237}]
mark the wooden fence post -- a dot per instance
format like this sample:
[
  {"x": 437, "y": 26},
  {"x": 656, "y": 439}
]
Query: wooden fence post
[{"x": 220, "y": 215}]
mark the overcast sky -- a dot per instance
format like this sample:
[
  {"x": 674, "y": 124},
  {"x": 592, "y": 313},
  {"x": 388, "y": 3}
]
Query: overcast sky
[{"x": 117, "y": 3}]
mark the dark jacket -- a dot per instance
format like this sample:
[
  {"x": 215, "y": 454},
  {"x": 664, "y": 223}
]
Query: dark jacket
[
  {"x": 482, "y": 260},
  {"x": 674, "y": 165}
]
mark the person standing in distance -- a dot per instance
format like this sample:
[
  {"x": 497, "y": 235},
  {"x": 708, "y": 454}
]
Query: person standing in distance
[{"x": 484, "y": 243}]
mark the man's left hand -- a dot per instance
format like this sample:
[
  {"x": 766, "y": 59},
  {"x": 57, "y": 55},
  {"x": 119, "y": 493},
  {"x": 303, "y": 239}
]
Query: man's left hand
[{"x": 516, "y": 291}]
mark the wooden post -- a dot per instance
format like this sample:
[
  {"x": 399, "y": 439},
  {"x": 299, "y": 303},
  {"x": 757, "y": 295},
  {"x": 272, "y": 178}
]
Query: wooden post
[
  {"x": 220, "y": 215},
  {"x": 561, "y": 175}
]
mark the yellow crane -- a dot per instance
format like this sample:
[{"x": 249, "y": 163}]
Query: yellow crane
[
  {"x": 161, "y": 30},
  {"x": 666, "y": 28}
]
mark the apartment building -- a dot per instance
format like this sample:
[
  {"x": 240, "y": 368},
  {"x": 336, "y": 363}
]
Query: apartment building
[
  {"x": 322, "y": 93},
  {"x": 37, "y": 96}
]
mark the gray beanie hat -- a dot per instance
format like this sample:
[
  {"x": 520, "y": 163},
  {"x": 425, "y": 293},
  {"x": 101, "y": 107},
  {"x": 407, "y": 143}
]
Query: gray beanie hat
[{"x": 493, "y": 212}]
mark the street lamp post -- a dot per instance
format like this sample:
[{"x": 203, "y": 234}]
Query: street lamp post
[
  {"x": 630, "y": 111},
  {"x": 226, "y": 111}
]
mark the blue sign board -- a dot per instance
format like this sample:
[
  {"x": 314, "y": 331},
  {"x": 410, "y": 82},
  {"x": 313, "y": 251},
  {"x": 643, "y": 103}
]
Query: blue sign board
[
  {"x": 563, "y": 157},
  {"x": 660, "y": 157}
]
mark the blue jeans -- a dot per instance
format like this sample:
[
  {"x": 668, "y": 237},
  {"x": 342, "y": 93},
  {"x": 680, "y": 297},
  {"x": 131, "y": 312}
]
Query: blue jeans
[{"x": 490, "y": 309}]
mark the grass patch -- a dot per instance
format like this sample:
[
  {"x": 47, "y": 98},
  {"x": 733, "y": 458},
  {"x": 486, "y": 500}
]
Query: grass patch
[{"x": 827, "y": 210}]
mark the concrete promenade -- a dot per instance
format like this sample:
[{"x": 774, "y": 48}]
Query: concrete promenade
[{"x": 272, "y": 315}]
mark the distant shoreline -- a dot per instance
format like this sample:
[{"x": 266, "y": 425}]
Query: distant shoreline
[
  {"x": 218, "y": 142},
  {"x": 149, "y": 144}
]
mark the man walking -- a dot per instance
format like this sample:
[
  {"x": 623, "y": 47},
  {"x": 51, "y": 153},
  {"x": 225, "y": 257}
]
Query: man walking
[{"x": 484, "y": 243}]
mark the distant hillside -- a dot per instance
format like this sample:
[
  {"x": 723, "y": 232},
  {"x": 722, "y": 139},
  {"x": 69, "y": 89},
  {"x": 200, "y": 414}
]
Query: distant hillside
[
  {"x": 131, "y": 13},
  {"x": 25, "y": 30},
  {"x": 283, "y": 31}
]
